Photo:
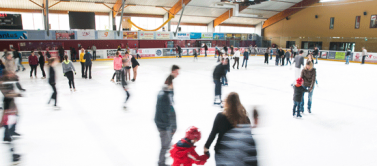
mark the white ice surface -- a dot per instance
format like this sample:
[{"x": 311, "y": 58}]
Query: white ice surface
[{"x": 93, "y": 129}]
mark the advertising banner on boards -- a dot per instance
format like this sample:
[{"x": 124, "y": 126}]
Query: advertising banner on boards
[
  {"x": 86, "y": 34},
  {"x": 129, "y": 35},
  {"x": 195, "y": 35},
  {"x": 331, "y": 55},
  {"x": 183, "y": 36},
  {"x": 218, "y": 36},
  {"x": 372, "y": 57},
  {"x": 146, "y": 35},
  {"x": 111, "y": 53},
  {"x": 105, "y": 35},
  {"x": 66, "y": 35},
  {"x": 149, "y": 52},
  {"x": 13, "y": 35},
  {"x": 340, "y": 55},
  {"x": 324, "y": 54},
  {"x": 208, "y": 36},
  {"x": 162, "y": 35}
]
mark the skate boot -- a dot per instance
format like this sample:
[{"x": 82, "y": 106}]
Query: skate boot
[
  {"x": 16, "y": 159},
  {"x": 299, "y": 116},
  {"x": 309, "y": 111}
]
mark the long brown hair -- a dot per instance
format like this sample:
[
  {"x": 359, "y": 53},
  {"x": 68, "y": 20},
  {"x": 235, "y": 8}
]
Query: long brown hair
[{"x": 234, "y": 110}]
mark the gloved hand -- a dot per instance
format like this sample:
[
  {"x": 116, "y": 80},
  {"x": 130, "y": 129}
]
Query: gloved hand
[
  {"x": 75, "y": 73},
  {"x": 207, "y": 153},
  {"x": 64, "y": 74}
]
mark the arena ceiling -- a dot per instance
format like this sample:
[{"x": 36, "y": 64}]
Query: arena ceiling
[{"x": 196, "y": 11}]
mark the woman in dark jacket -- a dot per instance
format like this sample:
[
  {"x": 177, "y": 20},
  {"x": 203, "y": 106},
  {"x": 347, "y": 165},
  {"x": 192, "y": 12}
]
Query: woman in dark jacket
[
  {"x": 52, "y": 62},
  {"x": 42, "y": 64},
  {"x": 233, "y": 115},
  {"x": 88, "y": 64}
]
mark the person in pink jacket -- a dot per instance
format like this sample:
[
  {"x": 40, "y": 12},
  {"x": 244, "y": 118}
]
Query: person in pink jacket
[{"x": 117, "y": 64}]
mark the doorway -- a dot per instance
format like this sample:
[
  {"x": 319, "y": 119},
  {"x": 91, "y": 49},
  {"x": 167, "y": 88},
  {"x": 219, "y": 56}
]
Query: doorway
[{"x": 290, "y": 44}]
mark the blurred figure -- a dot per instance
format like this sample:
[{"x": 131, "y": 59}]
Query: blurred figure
[
  {"x": 365, "y": 54},
  {"x": 2, "y": 67},
  {"x": 10, "y": 113},
  {"x": 266, "y": 55},
  {"x": 124, "y": 81},
  {"x": 315, "y": 54},
  {"x": 135, "y": 66},
  {"x": 61, "y": 53},
  {"x": 5, "y": 53},
  {"x": 33, "y": 62},
  {"x": 256, "y": 50},
  {"x": 68, "y": 70},
  {"x": 226, "y": 50},
  {"x": 19, "y": 63},
  {"x": 165, "y": 117},
  {"x": 183, "y": 152},
  {"x": 94, "y": 49},
  {"x": 73, "y": 54},
  {"x": 232, "y": 126},
  {"x": 245, "y": 58},
  {"x": 137, "y": 53},
  {"x": 10, "y": 66},
  {"x": 297, "y": 97},
  {"x": 217, "y": 51},
  {"x": 52, "y": 62},
  {"x": 295, "y": 50},
  {"x": 205, "y": 49},
  {"x": 287, "y": 56},
  {"x": 117, "y": 66},
  {"x": 195, "y": 54},
  {"x": 42, "y": 64},
  {"x": 309, "y": 77},
  {"x": 224, "y": 79},
  {"x": 10, "y": 108},
  {"x": 237, "y": 58},
  {"x": 127, "y": 65},
  {"x": 299, "y": 60},
  {"x": 82, "y": 62},
  {"x": 348, "y": 54},
  {"x": 231, "y": 51},
  {"x": 48, "y": 55},
  {"x": 218, "y": 73},
  {"x": 88, "y": 64}
]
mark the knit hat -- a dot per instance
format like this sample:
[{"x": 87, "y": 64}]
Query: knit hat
[
  {"x": 299, "y": 81},
  {"x": 193, "y": 133}
]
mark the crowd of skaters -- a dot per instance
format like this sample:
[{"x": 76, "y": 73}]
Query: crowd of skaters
[{"x": 234, "y": 118}]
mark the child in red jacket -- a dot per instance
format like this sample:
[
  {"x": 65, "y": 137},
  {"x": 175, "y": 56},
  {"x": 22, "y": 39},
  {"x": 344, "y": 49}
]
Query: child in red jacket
[{"x": 183, "y": 152}]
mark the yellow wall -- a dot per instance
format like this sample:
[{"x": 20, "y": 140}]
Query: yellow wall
[{"x": 304, "y": 24}]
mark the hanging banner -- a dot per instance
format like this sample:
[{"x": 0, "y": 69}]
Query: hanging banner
[
  {"x": 208, "y": 36},
  {"x": 146, "y": 35},
  {"x": 194, "y": 35},
  {"x": 183, "y": 36},
  {"x": 129, "y": 35},
  {"x": 105, "y": 35},
  {"x": 250, "y": 37},
  {"x": 67, "y": 35},
  {"x": 86, "y": 34},
  {"x": 218, "y": 36},
  {"x": 244, "y": 37},
  {"x": 13, "y": 35},
  {"x": 162, "y": 35}
]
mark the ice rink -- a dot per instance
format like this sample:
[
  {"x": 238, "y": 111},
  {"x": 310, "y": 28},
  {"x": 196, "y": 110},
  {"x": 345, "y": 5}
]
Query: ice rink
[{"x": 92, "y": 128}]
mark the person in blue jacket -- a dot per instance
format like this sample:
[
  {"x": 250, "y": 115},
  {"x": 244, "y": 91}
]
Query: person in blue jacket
[{"x": 245, "y": 57}]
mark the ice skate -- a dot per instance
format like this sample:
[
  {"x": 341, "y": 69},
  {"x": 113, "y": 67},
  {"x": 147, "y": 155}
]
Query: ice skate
[{"x": 16, "y": 159}]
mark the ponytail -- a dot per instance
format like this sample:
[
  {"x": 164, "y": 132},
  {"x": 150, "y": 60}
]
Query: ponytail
[{"x": 65, "y": 57}]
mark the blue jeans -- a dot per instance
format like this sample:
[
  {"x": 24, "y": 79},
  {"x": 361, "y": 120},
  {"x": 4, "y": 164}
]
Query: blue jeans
[
  {"x": 316, "y": 59},
  {"x": 244, "y": 60},
  {"x": 347, "y": 59},
  {"x": 289, "y": 60},
  {"x": 296, "y": 104},
  {"x": 310, "y": 97},
  {"x": 224, "y": 80},
  {"x": 217, "y": 88}
]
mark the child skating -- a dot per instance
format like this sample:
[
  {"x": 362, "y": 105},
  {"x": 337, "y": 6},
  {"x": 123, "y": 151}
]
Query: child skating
[
  {"x": 297, "y": 96},
  {"x": 183, "y": 152}
]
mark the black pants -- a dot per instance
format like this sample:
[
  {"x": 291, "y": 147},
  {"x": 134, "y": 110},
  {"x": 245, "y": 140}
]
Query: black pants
[
  {"x": 363, "y": 59},
  {"x": 42, "y": 66},
  {"x": 90, "y": 71},
  {"x": 217, "y": 88},
  {"x": 70, "y": 77},
  {"x": 61, "y": 57},
  {"x": 236, "y": 60},
  {"x": 205, "y": 52},
  {"x": 9, "y": 131},
  {"x": 266, "y": 58},
  {"x": 294, "y": 54},
  {"x": 82, "y": 69},
  {"x": 138, "y": 56},
  {"x": 54, "y": 94},
  {"x": 282, "y": 60},
  {"x": 33, "y": 68},
  {"x": 127, "y": 96},
  {"x": 94, "y": 55}
]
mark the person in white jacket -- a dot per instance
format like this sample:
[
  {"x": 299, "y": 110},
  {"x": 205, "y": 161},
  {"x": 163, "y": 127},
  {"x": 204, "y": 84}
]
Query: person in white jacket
[
  {"x": 295, "y": 51},
  {"x": 237, "y": 58},
  {"x": 365, "y": 53}
]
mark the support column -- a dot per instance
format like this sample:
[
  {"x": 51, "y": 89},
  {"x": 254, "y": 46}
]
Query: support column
[
  {"x": 210, "y": 27},
  {"x": 45, "y": 14},
  {"x": 258, "y": 28},
  {"x": 110, "y": 20},
  {"x": 167, "y": 26},
  {"x": 113, "y": 27}
]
